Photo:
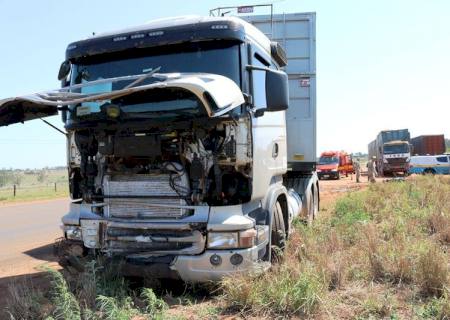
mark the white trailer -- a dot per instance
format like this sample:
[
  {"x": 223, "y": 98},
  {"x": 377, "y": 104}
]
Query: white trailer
[{"x": 296, "y": 33}]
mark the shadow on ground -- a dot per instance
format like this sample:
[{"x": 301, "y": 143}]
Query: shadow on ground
[{"x": 42, "y": 253}]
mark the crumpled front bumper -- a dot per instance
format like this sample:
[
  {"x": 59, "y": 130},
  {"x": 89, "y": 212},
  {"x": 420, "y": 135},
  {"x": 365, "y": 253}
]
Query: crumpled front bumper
[
  {"x": 192, "y": 264},
  {"x": 200, "y": 269}
]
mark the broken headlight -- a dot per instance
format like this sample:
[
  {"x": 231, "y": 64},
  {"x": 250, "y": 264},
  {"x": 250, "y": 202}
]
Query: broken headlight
[
  {"x": 232, "y": 240},
  {"x": 222, "y": 240},
  {"x": 72, "y": 232}
]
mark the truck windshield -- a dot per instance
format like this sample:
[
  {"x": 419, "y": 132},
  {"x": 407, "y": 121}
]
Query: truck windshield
[
  {"x": 328, "y": 160},
  {"x": 209, "y": 57},
  {"x": 396, "y": 148}
]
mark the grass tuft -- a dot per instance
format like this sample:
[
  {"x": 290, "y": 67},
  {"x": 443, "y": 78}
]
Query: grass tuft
[
  {"x": 154, "y": 305},
  {"x": 66, "y": 306},
  {"x": 286, "y": 291}
]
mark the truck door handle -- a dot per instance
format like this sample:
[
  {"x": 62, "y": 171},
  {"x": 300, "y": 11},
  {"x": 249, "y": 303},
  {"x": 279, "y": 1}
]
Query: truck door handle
[{"x": 275, "y": 150}]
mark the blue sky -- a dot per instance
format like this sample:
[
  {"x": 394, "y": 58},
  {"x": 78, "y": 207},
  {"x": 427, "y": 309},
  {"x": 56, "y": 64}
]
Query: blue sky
[{"x": 380, "y": 64}]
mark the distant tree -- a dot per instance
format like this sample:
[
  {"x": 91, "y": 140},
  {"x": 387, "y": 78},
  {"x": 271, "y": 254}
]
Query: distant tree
[
  {"x": 5, "y": 177},
  {"x": 17, "y": 178},
  {"x": 42, "y": 175}
]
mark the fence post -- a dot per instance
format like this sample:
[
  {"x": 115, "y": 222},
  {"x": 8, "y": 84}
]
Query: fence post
[
  {"x": 55, "y": 187},
  {"x": 14, "y": 191}
]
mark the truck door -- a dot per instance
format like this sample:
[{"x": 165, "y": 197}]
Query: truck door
[{"x": 269, "y": 131}]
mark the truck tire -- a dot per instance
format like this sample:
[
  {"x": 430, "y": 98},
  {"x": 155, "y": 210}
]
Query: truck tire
[{"x": 277, "y": 234}]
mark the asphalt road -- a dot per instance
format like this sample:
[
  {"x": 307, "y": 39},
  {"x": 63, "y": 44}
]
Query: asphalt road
[{"x": 27, "y": 233}]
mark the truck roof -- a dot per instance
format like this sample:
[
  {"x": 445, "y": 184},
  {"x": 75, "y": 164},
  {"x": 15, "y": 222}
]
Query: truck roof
[
  {"x": 332, "y": 153},
  {"x": 168, "y": 31}
]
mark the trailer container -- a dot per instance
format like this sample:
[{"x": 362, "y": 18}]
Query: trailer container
[
  {"x": 296, "y": 32},
  {"x": 428, "y": 144}
]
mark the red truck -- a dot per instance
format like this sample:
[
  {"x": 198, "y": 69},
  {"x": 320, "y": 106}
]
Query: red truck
[{"x": 334, "y": 163}]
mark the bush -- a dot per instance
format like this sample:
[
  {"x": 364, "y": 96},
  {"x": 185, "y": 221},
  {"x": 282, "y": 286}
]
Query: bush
[
  {"x": 96, "y": 294},
  {"x": 432, "y": 270},
  {"x": 66, "y": 307}
]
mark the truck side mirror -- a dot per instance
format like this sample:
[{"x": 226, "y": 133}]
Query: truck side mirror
[
  {"x": 277, "y": 90},
  {"x": 64, "y": 70}
]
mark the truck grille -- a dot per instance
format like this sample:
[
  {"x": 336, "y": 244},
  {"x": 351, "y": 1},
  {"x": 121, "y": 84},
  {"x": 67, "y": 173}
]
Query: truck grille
[
  {"x": 396, "y": 161},
  {"x": 141, "y": 185}
]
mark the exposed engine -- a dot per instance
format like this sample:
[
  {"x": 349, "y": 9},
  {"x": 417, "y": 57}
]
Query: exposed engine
[{"x": 158, "y": 172}]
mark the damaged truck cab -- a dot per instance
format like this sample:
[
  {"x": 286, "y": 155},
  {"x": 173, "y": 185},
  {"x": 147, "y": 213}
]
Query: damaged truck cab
[{"x": 177, "y": 148}]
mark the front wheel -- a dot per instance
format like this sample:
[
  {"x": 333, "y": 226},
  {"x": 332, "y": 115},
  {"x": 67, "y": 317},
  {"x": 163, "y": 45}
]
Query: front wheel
[{"x": 277, "y": 241}]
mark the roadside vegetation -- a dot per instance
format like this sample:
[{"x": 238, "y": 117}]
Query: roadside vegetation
[
  {"x": 96, "y": 294},
  {"x": 380, "y": 253},
  {"x": 34, "y": 184}
]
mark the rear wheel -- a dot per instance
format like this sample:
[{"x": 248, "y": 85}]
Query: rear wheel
[{"x": 429, "y": 171}]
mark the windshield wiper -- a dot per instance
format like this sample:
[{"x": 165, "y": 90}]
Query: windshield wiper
[
  {"x": 159, "y": 113},
  {"x": 143, "y": 77},
  {"x": 110, "y": 80}
]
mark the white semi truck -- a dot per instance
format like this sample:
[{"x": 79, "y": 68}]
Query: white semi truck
[{"x": 190, "y": 149}]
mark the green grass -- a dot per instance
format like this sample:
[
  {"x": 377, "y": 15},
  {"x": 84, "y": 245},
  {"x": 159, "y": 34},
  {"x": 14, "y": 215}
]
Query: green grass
[
  {"x": 97, "y": 294},
  {"x": 34, "y": 193},
  {"x": 33, "y": 185},
  {"x": 389, "y": 236}
]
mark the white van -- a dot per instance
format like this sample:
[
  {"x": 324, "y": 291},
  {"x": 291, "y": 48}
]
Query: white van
[{"x": 439, "y": 164}]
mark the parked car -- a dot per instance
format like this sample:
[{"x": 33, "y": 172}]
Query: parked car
[{"x": 439, "y": 164}]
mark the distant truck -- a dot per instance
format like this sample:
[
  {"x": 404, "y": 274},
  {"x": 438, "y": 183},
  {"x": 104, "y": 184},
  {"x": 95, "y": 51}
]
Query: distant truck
[
  {"x": 428, "y": 145},
  {"x": 392, "y": 151},
  {"x": 334, "y": 163}
]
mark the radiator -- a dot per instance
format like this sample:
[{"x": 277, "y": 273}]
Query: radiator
[{"x": 141, "y": 185}]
